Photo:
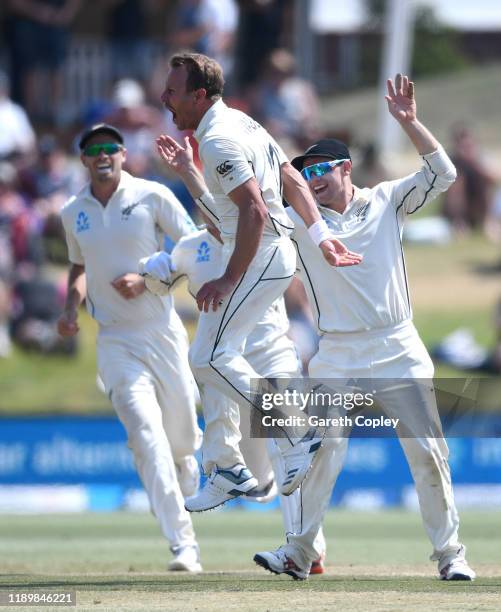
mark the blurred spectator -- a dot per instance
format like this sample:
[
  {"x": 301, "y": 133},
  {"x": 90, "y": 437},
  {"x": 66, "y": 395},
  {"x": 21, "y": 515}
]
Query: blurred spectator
[
  {"x": 128, "y": 35},
  {"x": 38, "y": 305},
  {"x": 18, "y": 222},
  {"x": 54, "y": 173},
  {"x": 139, "y": 122},
  {"x": 260, "y": 26},
  {"x": 192, "y": 27},
  {"x": 284, "y": 103},
  {"x": 208, "y": 27},
  {"x": 17, "y": 137},
  {"x": 29, "y": 304},
  {"x": 48, "y": 184},
  {"x": 468, "y": 202},
  {"x": 5, "y": 310},
  {"x": 7, "y": 174},
  {"x": 37, "y": 34}
]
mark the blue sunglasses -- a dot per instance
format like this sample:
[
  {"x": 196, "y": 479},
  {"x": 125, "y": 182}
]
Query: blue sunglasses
[{"x": 320, "y": 169}]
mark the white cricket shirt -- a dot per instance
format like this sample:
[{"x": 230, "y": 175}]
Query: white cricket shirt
[
  {"x": 374, "y": 294},
  {"x": 110, "y": 240},
  {"x": 199, "y": 257},
  {"x": 234, "y": 148}
]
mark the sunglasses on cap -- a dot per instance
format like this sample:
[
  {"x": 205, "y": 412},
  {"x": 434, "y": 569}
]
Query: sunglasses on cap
[
  {"x": 320, "y": 169},
  {"x": 109, "y": 148}
]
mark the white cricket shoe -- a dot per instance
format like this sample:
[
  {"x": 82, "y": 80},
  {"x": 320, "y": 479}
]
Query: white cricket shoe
[
  {"x": 278, "y": 562},
  {"x": 186, "y": 559},
  {"x": 220, "y": 487},
  {"x": 188, "y": 475},
  {"x": 298, "y": 460},
  {"x": 453, "y": 566},
  {"x": 263, "y": 495}
]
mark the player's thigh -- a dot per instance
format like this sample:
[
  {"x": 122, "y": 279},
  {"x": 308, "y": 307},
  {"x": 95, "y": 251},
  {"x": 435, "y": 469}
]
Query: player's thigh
[
  {"x": 264, "y": 281},
  {"x": 176, "y": 391},
  {"x": 128, "y": 383},
  {"x": 334, "y": 359},
  {"x": 412, "y": 403}
]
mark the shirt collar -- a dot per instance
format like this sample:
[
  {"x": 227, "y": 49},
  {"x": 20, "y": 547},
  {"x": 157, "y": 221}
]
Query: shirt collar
[
  {"x": 358, "y": 198},
  {"x": 125, "y": 180},
  {"x": 218, "y": 107}
]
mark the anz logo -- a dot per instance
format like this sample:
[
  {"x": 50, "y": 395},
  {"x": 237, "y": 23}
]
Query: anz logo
[
  {"x": 203, "y": 252},
  {"x": 82, "y": 222}
]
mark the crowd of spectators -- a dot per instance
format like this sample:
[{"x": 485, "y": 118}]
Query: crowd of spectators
[{"x": 39, "y": 167}]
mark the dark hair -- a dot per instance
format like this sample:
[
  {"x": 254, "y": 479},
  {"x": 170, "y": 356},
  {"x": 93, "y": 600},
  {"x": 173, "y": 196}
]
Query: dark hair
[{"x": 203, "y": 73}]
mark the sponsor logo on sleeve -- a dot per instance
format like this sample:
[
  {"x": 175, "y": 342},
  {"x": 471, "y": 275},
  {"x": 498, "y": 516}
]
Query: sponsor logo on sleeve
[
  {"x": 82, "y": 222},
  {"x": 224, "y": 168},
  {"x": 203, "y": 252}
]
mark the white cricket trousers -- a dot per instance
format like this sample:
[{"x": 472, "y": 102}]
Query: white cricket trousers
[
  {"x": 396, "y": 352},
  {"x": 261, "y": 455},
  {"x": 145, "y": 370},
  {"x": 216, "y": 354}
]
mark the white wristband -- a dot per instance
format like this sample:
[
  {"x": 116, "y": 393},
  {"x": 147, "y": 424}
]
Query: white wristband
[{"x": 319, "y": 232}]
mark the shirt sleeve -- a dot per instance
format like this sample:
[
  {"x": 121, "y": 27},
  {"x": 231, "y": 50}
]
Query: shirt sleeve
[
  {"x": 171, "y": 216},
  {"x": 416, "y": 190},
  {"x": 226, "y": 164},
  {"x": 207, "y": 205},
  {"x": 74, "y": 252},
  {"x": 178, "y": 258}
]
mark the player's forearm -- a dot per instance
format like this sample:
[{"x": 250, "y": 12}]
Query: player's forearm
[
  {"x": 298, "y": 195},
  {"x": 194, "y": 181},
  {"x": 420, "y": 136},
  {"x": 76, "y": 288},
  {"x": 249, "y": 232}
]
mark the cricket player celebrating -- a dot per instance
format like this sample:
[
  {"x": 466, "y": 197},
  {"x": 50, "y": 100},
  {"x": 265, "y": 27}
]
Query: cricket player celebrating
[
  {"x": 142, "y": 346},
  {"x": 245, "y": 172},
  {"x": 268, "y": 349},
  {"x": 365, "y": 320}
]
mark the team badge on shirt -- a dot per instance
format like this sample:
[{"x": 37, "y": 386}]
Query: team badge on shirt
[
  {"x": 127, "y": 211},
  {"x": 361, "y": 213},
  {"x": 203, "y": 252},
  {"x": 82, "y": 222}
]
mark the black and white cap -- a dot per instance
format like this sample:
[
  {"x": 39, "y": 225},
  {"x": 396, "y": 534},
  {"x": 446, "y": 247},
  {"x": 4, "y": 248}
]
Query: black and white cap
[
  {"x": 100, "y": 128},
  {"x": 327, "y": 147}
]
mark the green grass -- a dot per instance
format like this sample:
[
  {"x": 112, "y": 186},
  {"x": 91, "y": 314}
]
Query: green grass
[{"x": 117, "y": 561}]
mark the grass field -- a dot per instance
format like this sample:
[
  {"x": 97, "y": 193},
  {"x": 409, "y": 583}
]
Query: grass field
[{"x": 375, "y": 561}]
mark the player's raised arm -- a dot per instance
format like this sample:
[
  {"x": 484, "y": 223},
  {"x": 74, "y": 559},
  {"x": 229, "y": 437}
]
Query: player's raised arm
[
  {"x": 401, "y": 100},
  {"x": 298, "y": 195},
  {"x": 437, "y": 173}
]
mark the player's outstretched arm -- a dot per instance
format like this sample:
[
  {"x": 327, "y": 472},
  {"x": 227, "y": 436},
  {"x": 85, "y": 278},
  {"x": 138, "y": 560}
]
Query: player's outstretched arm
[
  {"x": 401, "y": 101},
  {"x": 298, "y": 195}
]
